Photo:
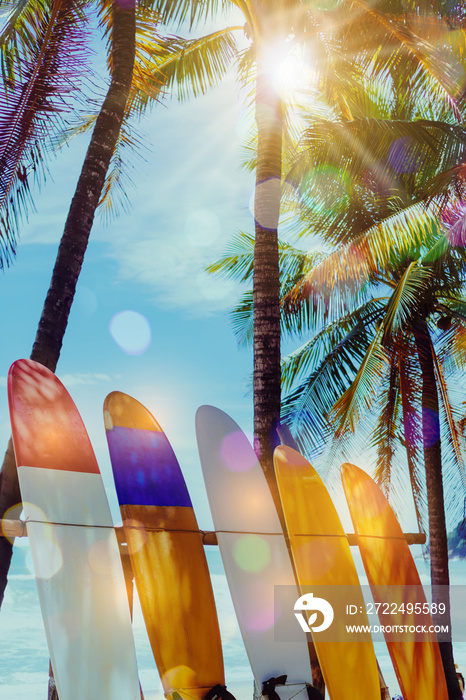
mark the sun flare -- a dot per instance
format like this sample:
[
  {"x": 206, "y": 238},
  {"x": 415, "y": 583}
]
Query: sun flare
[{"x": 289, "y": 67}]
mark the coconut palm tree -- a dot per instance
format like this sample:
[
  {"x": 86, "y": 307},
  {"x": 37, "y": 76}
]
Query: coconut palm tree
[
  {"x": 345, "y": 45},
  {"x": 403, "y": 337},
  {"x": 414, "y": 338},
  {"x": 60, "y": 23},
  {"x": 42, "y": 59},
  {"x": 385, "y": 306}
]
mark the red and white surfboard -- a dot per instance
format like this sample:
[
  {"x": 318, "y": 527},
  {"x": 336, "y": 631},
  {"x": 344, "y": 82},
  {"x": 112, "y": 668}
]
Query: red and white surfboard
[{"x": 73, "y": 544}]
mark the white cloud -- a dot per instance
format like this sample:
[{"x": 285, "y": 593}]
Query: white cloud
[
  {"x": 189, "y": 199},
  {"x": 174, "y": 272},
  {"x": 75, "y": 379},
  {"x": 193, "y": 198}
]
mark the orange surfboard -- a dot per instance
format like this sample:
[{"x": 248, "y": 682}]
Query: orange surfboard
[
  {"x": 389, "y": 563},
  {"x": 323, "y": 559},
  {"x": 166, "y": 551}
]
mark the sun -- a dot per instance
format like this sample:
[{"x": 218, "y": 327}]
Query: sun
[{"x": 289, "y": 68}]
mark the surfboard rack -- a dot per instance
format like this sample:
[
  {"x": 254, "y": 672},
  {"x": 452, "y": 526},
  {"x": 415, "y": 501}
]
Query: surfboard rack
[{"x": 17, "y": 528}]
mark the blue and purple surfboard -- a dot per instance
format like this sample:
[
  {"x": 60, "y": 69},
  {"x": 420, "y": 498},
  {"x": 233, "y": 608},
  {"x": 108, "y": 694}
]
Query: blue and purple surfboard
[{"x": 166, "y": 550}]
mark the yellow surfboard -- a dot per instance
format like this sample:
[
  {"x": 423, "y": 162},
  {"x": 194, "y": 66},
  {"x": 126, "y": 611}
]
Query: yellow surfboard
[
  {"x": 389, "y": 563},
  {"x": 166, "y": 550},
  {"x": 323, "y": 559}
]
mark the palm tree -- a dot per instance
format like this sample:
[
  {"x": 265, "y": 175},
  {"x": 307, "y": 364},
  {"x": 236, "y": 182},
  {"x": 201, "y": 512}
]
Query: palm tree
[
  {"x": 397, "y": 335},
  {"x": 78, "y": 225},
  {"x": 347, "y": 45},
  {"x": 42, "y": 58},
  {"x": 377, "y": 43},
  {"x": 384, "y": 307},
  {"x": 404, "y": 335}
]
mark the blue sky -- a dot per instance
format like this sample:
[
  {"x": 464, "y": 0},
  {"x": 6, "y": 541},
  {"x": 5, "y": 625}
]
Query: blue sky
[{"x": 189, "y": 197}]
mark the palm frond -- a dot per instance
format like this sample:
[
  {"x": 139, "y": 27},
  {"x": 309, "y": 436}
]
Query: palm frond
[
  {"x": 359, "y": 397},
  {"x": 309, "y": 356},
  {"x": 406, "y": 299},
  {"x": 453, "y": 438},
  {"x": 30, "y": 111},
  {"x": 21, "y": 31},
  {"x": 453, "y": 344},
  {"x": 383, "y": 154},
  {"x": 175, "y": 13},
  {"x": 238, "y": 261},
  {"x": 83, "y": 124},
  {"x": 410, "y": 383},
  {"x": 384, "y": 436},
  {"x": 192, "y": 66},
  {"x": 238, "y": 264},
  {"x": 307, "y": 408},
  {"x": 114, "y": 197},
  {"x": 370, "y": 256},
  {"x": 242, "y": 319},
  {"x": 398, "y": 44}
]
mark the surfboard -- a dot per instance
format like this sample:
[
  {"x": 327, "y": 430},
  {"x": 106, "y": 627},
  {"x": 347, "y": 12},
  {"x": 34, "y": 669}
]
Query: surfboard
[
  {"x": 323, "y": 560},
  {"x": 166, "y": 551},
  {"x": 253, "y": 549},
  {"x": 388, "y": 563},
  {"x": 72, "y": 540}
]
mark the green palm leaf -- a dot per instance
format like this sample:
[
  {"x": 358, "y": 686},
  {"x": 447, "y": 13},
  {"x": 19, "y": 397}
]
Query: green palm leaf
[
  {"x": 309, "y": 356},
  {"x": 406, "y": 299},
  {"x": 370, "y": 256},
  {"x": 453, "y": 435},
  {"x": 114, "y": 197},
  {"x": 242, "y": 319},
  {"x": 382, "y": 149},
  {"x": 306, "y": 409},
  {"x": 177, "y": 12},
  {"x": 238, "y": 264},
  {"x": 192, "y": 66},
  {"x": 410, "y": 383},
  {"x": 359, "y": 397},
  {"x": 384, "y": 436}
]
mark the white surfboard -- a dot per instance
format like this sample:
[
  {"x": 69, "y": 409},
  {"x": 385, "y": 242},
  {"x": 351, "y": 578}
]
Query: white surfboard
[
  {"x": 253, "y": 549},
  {"x": 73, "y": 544}
]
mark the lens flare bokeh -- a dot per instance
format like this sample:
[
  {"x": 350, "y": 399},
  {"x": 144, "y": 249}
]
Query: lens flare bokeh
[
  {"x": 236, "y": 452},
  {"x": 324, "y": 190},
  {"x": 252, "y": 553},
  {"x": 131, "y": 332}
]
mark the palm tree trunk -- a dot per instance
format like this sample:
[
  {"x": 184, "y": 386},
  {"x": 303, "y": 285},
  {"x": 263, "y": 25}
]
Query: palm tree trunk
[
  {"x": 266, "y": 294},
  {"x": 438, "y": 545},
  {"x": 266, "y": 283},
  {"x": 54, "y": 319},
  {"x": 9, "y": 497}
]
